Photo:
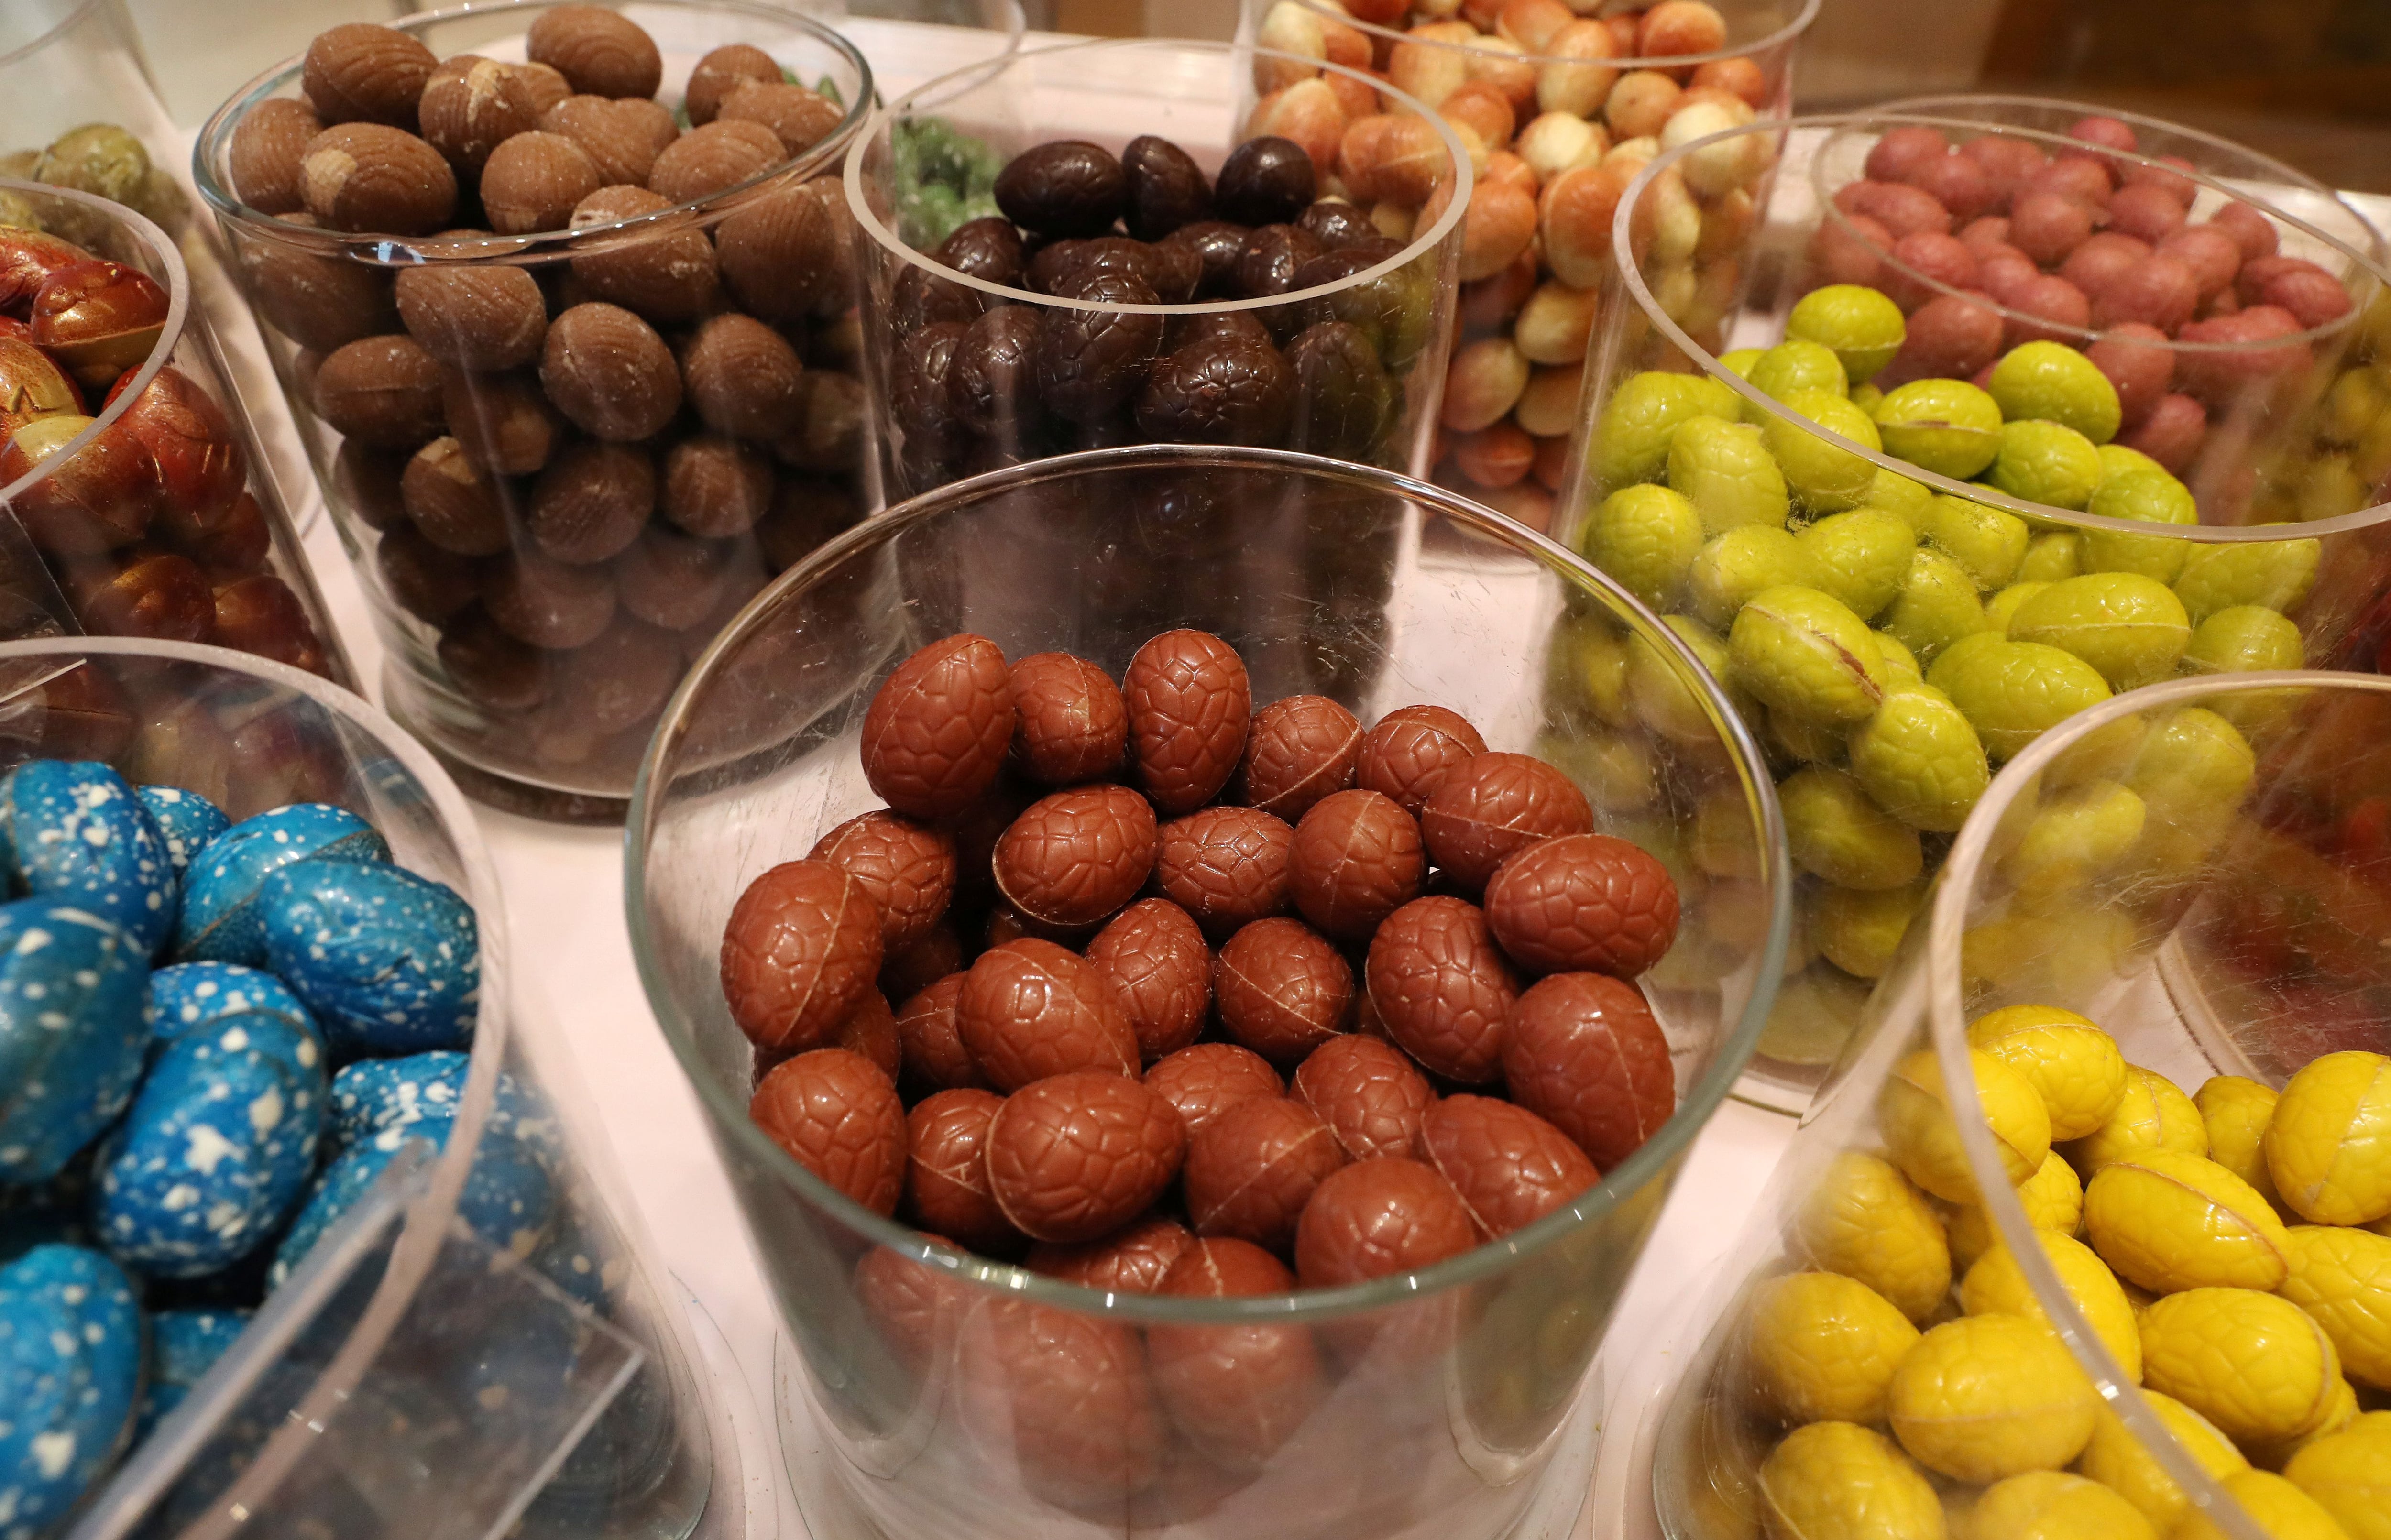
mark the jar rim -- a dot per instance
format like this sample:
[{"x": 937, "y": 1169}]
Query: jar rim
[
  {"x": 1784, "y": 35},
  {"x": 159, "y": 247},
  {"x": 1630, "y": 274},
  {"x": 1653, "y": 1162},
  {"x": 1421, "y": 244},
  {"x": 382, "y": 249}
]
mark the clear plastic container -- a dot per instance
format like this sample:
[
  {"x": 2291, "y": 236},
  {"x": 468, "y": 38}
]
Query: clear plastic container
[
  {"x": 2281, "y": 476},
  {"x": 1537, "y": 101},
  {"x": 154, "y": 515},
  {"x": 1460, "y": 1403},
  {"x": 545, "y": 584},
  {"x": 2231, "y": 942},
  {"x": 1359, "y": 388},
  {"x": 410, "y": 1376},
  {"x": 83, "y": 110}
]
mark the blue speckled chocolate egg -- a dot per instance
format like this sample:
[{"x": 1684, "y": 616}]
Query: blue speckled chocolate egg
[
  {"x": 389, "y": 961},
  {"x": 77, "y": 833},
  {"x": 337, "y": 1189},
  {"x": 213, "y": 1157},
  {"x": 581, "y": 1257},
  {"x": 191, "y": 994},
  {"x": 385, "y": 1100},
  {"x": 184, "y": 1345},
  {"x": 71, "y": 1033},
  {"x": 185, "y": 820},
  {"x": 69, "y": 1368},
  {"x": 219, "y": 921},
  {"x": 509, "y": 1199}
]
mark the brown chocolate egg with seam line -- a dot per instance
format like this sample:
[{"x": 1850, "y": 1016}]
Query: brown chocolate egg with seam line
[
  {"x": 1255, "y": 1167},
  {"x": 907, "y": 869},
  {"x": 1443, "y": 988},
  {"x": 1070, "y": 723},
  {"x": 1510, "y": 1167},
  {"x": 838, "y": 1116},
  {"x": 1583, "y": 1052},
  {"x": 801, "y": 947},
  {"x": 1357, "y": 858},
  {"x": 946, "y": 1173},
  {"x": 936, "y": 734},
  {"x": 1410, "y": 751},
  {"x": 1493, "y": 806},
  {"x": 1075, "y": 857},
  {"x": 930, "y": 1034},
  {"x": 1237, "y": 1391},
  {"x": 1204, "y": 1080},
  {"x": 1063, "y": 188},
  {"x": 1030, "y": 1010},
  {"x": 1226, "y": 866},
  {"x": 1133, "y": 1260},
  {"x": 1583, "y": 902},
  {"x": 1378, "y": 1218},
  {"x": 1299, "y": 750},
  {"x": 871, "y": 1030},
  {"x": 989, "y": 249},
  {"x": 1281, "y": 989},
  {"x": 1373, "y": 1098},
  {"x": 1166, "y": 188},
  {"x": 1076, "y": 1155},
  {"x": 1154, "y": 954},
  {"x": 1061, "y": 1398}
]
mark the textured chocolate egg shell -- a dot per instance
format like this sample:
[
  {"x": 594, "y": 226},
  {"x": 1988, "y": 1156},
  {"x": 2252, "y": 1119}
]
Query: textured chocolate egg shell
[
  {"x": 1205, "y": 1080},
  {"x": 1583, "y": 902},
  {"x": 1226, "y": 866},
  {"x": 1189, "y": 705},
  {"x": 945, "y": 1172},
  {"x": 1073, "y": 857},
  {"x": 935, "y": 733},
  {"x": 838, "y": 1117},
  {"x": 1510, "y": 1167},
  {"x": 1407, "y": 754},
  {"x": 1442, "y": 987},
  {"x": 802, "y": 947},
  {"x": 1154, "y": 955},
  {"x": 1133, "y": 1260},
  {"x": 1370, "y": 1094},
  {"x": 929, "y": 1032},
  {"x": 1062, "y": 1398},
  {"x": 1069, "y": 722},
  {"x": 1493, "y": 806},
  {"x": 1238, "y": 1392},
  {"x": 1298, "y": 751},
  {"x": 1378, "y": 1218},
  {"x": 1252, "y": 1170},
  {"x": 1357, "y": 858},
  {"x": 1583, "y": 1052},
  {"x": 1281, "y": 989},
  {"x": 1076, "y": 1156},
  {"x": 1030, "y": 1009},
  {"x": 906, "y": 867}
]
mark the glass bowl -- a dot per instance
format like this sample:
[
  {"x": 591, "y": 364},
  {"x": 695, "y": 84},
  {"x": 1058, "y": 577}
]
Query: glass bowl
[
  {"x": 1535, "y": 249},
  {"x": 154, "y": 515},
  {"x": 2223, "y": 949},
  {"x": 1345, "y": 365},
  {"x": 84, "y": 111},
  {"x": 558, "y": 561},
  {"x": 2281, "y": 514},
  {"x": 1462, "y": 1406},
  {"x": 373, "y": 1385}
]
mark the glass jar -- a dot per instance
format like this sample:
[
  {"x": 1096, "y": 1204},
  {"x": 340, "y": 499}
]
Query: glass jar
[
  {"x": 2247, "y": 525},
  {"x": 2200, "y": 979},
  {"x": 83, "y": 110},
  {"x": 1456, "y": 1401},
  {"x": 1539, "y": 98},
  {"x": 1339, "y": 354},
  {"x": 152, "y": 516},
  {"x": 545, "y": 542},
  {"x": 379, "y": 1379}
]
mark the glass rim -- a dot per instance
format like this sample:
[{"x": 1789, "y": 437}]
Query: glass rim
[
  {"x": 1421, "y": 244},
  {"x": 73, "y": 18},
  {"x": 160, "y": 247},
  {"x": 382, "y": 249},
  {"x": 728, "y": 1114},
  {"x": 1785, "y": 34},
  {"x": 1947, "y": 1016},
  {"x": 2368, "y": 261},
  {"x": 1631, "y": 274},
  {"x": 1944, "y": 104}
]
